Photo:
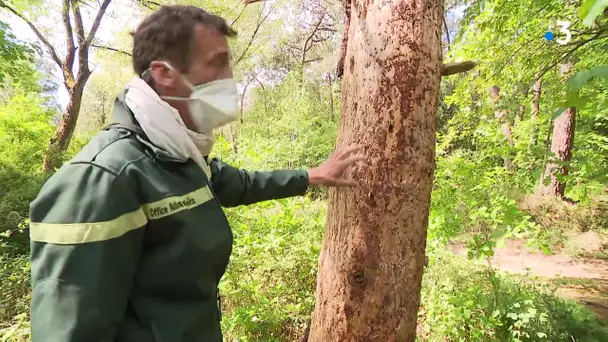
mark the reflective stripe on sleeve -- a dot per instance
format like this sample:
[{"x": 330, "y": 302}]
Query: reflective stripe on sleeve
[{"x": 78, "y": 233}]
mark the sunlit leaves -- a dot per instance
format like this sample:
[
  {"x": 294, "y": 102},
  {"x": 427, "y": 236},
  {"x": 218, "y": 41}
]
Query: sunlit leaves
[
  {"x": 591, "y": 9},
  {"x": 581, "y": 78}
]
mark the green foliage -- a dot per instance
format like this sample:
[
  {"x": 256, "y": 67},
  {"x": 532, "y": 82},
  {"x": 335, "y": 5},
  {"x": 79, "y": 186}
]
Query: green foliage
[
  {"x": 473, "y": 194},
  {"x": 581, "y": 78},
  {"x": 288, "y": 126},
  {"x": 15, "y": 289},
  {"x": 268, "y": 291},
  {"x": 16, "y": 60},
  {"x": 484, "y": 180},
  {"x": 18, "y": 331},
  {"x": 462, "y": 302},
  {"x": 24, "y": 131},
  {"x": 591, "y": 9}
]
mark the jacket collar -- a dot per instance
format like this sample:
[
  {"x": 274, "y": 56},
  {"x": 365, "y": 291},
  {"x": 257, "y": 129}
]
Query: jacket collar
[{"x": 124, "y": 118}]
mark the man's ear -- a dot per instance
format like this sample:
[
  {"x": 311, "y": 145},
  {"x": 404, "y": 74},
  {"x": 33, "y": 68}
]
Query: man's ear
[{"x": 163, "y": 75}]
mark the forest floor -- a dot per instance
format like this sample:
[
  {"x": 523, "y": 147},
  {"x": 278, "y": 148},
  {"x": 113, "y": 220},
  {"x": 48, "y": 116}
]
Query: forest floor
[{"x": 584, "y": 279}]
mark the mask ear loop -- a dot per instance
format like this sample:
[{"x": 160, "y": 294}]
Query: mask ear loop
[{"x": 146, "y": 75}]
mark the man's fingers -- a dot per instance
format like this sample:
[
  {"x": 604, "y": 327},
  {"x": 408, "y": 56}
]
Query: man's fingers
[
  {"x": 347, "y": 151},
  {"x": 351, "y": 160},
  {"x": 344, "y": 182}
]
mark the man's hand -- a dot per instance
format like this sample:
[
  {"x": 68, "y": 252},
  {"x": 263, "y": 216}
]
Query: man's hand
[{"x": 330, "y": 172}]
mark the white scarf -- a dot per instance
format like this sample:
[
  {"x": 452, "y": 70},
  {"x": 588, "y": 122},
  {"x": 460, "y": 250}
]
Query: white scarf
[{"x": 164, "y": 126}]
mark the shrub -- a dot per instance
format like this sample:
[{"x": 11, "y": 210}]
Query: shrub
[
  {"x": 15, "y": 289},
  {"x": 464, "y": 302},
  {"x": 268, "y": 291}
]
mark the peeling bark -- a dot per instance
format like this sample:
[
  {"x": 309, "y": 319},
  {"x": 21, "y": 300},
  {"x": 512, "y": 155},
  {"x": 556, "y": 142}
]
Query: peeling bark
[
  {"x": 371, "y": 265},
  {"x": 343, "y": 47},
  {"x": 561, "y": 147}
]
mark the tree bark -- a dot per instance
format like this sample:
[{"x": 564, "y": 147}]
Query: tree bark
[
  {"x": 505, "y": 125},
  {"x": 331, "y": 97},
  {"x": 62, "y": 137},
  {"x": 538, "y": 88},
  {"x": 371, "y": 265},
  {"x": 521, "y": 112},
  {"x": 561, "y": 146},
  {"x": 347, "y": 9},
  {"x": 60, "y": 141}
]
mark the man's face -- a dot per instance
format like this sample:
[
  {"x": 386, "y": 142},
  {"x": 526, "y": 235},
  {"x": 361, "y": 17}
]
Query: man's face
[{"x": 209, "y": 61}]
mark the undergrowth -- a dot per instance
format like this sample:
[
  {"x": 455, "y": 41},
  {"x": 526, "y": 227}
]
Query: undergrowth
[
  {"x": 466, "y": 302},
  {"x": 268, "y": 291}
]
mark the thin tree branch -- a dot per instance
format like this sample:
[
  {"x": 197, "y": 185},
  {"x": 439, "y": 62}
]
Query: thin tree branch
[
  {"x": 238, "y": 16},
  {"x": 147, "y": 3},
  {"x": 84, "y": 41},
  {"x": 69, "y": 35},
  {"x": 97, "y": 21},
  {"x": 312, "y": 34},
  {"x": 447, "y": 32},
  {"x": 78, "y": 22},
  {"x": 255, "y": 77},
  {"x": 293, "y": 47},
  {"x": 313, "y": 60},
  {"x": 255, "y": 32},
  {"x": 327, "y": 29},
  {"x": 249, "y": 2},
  {"x": 457, "y": 68},
  {"x": 83, "y": 53},
  {"x": 111, "y": 49},
  {"x": 37, "y": 32}
]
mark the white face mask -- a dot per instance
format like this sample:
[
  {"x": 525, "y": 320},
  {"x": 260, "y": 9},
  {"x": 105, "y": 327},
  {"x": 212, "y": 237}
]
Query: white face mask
[{"x": 213, "y": 104}]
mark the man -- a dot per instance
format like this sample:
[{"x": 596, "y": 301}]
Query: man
[{"x": 129, "y": 240}]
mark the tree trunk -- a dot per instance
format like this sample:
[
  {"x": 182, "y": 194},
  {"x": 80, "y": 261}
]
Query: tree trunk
[
  {"x": 521, "y": 113},
  {"x": 331, "y": 97},
  {"x": 505, "y": 125},
  {"x": 344, "y": 45},
  {"x": 60, "y": 141},
  {"x": 563, "y": 140},
  {"x": 373, "y": 256},
  {"x": 538, "y": 88}
]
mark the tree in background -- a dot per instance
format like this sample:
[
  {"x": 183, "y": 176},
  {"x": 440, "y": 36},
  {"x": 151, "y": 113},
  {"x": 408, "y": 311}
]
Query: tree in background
[
  {"x": 552, "y": 182},
  {"x": 77, "y": 45},
  {"x": 371, "y": 265}
]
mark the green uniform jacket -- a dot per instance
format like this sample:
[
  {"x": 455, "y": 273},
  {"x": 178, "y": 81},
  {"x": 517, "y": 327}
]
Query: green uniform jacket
[{"x": 129, "y": 244}]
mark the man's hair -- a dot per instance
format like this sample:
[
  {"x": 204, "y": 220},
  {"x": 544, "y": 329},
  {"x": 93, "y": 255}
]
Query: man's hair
[{"x": 167, "y": 34}]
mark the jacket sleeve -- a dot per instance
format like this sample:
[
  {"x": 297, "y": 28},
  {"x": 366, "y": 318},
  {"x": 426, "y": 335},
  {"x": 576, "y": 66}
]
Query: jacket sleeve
[
  {"x": 235, "y": 187},
  {"x": 86, "y": 235}
]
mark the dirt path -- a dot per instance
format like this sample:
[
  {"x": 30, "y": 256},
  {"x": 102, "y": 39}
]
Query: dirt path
[{"x": 585, "y": 280}]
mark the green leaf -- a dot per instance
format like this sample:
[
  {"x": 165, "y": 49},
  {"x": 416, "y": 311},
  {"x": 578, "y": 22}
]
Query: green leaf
[
  {"x": 541, "y": 334},
  {"x": 581, "y": 78},
  {"x": 591, "y": 9}
]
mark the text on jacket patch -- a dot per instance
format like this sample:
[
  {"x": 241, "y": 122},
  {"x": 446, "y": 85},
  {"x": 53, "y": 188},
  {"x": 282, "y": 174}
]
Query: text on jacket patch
[{"x": 171, "y": 207}]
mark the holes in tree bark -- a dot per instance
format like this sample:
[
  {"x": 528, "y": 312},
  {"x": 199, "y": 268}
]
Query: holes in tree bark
[
  {"x": 359, "y": 276},
  {"x": 390, "y": 128}
]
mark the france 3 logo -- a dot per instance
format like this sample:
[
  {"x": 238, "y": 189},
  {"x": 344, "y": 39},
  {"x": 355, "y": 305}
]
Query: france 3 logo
[{"x": 564, "y": 33}]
